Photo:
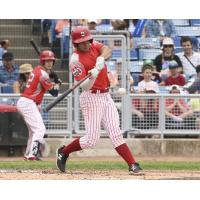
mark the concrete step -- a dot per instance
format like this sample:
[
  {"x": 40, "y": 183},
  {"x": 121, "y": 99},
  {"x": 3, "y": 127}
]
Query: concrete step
[
  {"x": 21, "y": 40},
  {"x": 13, "y": 21},
  {"x": 25, "y": 52},
  {"x": 15, "y": 29},
  {"x": 58, "y": 64}
]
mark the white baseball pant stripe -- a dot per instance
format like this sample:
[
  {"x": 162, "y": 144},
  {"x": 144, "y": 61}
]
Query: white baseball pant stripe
[
  {"x": 34, "y": 122},
  {"x": 97, "y": 109}
]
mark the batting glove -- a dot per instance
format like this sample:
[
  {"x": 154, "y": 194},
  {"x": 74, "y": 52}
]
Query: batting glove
[
  {"x": 94, "y": 73},
  {"x": 100, "y": 63}
]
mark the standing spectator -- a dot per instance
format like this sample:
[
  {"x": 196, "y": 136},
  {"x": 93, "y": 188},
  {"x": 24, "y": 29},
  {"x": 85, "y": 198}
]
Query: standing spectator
[
  {"x": 189, "y": 58},
  {"x": 24, "y": 72},
  {"x": 160, "y": 28},
  {"x": 162, "y": 61},
  {"x": 175, "y": 78},
  {"x": 9, "y": 72},
  {"x": 60, "y": 24},
  {"x": 135, "y": 27}
]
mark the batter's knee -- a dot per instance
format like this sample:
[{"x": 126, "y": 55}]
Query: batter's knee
[
  {"x": 117, "y": 140},
  {"x": 86, "y": 142}
]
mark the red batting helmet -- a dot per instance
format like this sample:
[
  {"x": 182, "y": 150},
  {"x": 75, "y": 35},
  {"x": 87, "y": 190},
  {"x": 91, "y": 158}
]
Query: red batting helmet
[
  {"x": 46, "y": 55},
  {"x": 81, "y": 34}
]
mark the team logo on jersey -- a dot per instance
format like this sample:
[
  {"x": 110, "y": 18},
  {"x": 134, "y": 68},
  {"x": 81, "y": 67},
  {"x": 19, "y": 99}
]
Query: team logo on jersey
[
  {"x": 76, "y": 71},
  {"x": 82, "y": 34}
]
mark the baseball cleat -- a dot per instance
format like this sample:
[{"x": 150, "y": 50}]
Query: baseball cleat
[
  {"x": 61, "y": 159},
  {"x": 135, "y": 169}
]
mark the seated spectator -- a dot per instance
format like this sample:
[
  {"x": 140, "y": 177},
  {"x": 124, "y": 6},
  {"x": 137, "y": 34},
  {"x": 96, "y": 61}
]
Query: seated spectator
[
  {"x": 160, "y": 28},
  {"x": 92, "y": 23},
  {"x": 24, "y": 72},
  {"x": 189, "y": 58},
  {"x": 147, "y": 71},
  {"x": 175, "y": 77},
  {"x": 5, "y": 44},
  {"x": 114, "y": 76},
  {"x": 193, "y": 85},
  {"x": 162, "y": 61},
  {"x": 9, "y": 72},
  {"x": 155, "y": 75},
  {"x": 145, "y": 111},
  {"x": 178, "y": 112}
]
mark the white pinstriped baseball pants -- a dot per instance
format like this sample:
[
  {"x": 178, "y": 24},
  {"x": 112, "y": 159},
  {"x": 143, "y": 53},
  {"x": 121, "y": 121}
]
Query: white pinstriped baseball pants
[
  {"x": 99, "y": 108},
  {"x": 30, "y": 112}
]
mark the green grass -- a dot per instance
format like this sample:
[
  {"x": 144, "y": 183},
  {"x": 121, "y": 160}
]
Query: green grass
[{"x": 100, "y": 165}]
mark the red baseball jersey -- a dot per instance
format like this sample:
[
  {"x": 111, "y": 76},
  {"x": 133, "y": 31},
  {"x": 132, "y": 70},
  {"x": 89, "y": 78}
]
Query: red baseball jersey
[
  {"x": 38, "y": 83},
  {"x": 88, "y": 61}
]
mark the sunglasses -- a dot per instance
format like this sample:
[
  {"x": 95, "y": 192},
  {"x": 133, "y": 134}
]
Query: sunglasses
[{"x": 168, "y": 46}]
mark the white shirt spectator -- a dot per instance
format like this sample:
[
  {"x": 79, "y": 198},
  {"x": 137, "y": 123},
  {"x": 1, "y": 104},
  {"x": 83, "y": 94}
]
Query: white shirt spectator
[
  {"x": 188, "y": 69},
  {"x": 151, "y": 85}
]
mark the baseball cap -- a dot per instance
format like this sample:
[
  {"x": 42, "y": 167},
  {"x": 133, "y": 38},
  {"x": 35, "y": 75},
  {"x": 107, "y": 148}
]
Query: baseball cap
[
  {"x": 148, "y": 62},
  {"x": 174, "y": 87},
  {"x": 8, "y": 56},
  {"x": 92, "y": 21},
  {"x": 173, "y": 64}
]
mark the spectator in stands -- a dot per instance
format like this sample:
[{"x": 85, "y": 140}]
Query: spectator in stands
[
  {"x": 9, "y": 72},
  {"x": 178, "y": 111},
  {"x": 60, "y": 24},
  {"x": 155, "y": 75},
  {"x": 193, "y": 85},
  {"x": 92, "y": 23},
  {"x": 24, "y": 72},
  {"x": 162, "y": 61},
  {"x": 175, "y": 77},
  {"x": 189, "y": 58},
  {"x": 145, "y": 111},
  {"x": 160, "y": 28},
  {"x": 147, "y": 71},
  {"x": 5, "y": 44},
  {"x": 135, "y": 27}
]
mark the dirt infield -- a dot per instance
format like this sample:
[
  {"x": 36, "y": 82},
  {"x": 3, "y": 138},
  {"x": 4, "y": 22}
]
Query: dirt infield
[
  {"x": 54, "y": 174},
  {"x": 97, "y": 175}
]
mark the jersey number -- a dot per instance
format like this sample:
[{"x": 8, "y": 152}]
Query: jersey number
[{"x": 30, "y": 79}]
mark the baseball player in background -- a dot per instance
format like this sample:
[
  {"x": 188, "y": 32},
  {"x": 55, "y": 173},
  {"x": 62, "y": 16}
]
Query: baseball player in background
[
  {"x": 29, "y": 102},
  {"x": 95, "y": 101}
]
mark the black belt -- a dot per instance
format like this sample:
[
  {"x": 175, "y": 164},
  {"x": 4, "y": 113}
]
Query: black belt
[{"x": 99, "y": 91}]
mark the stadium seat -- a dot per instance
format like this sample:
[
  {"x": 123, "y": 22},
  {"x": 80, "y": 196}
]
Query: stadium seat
[
  {"x": 195, "y": 22},
  {"x": 177, "y": 42},
  {"x": 178, "y": 50},
  {"x": 104, "y": 28},
  {"x": 134, "y": 54},
  {"x": 139, "y": 42},
  {"x": 148, "y": 54},
  {"x": 188, "y": 31},
  {"x": 181, "y": 22},
  {"x": 135, "y": 66},
  {"x": 7, "y": 89},
  {"x": 116, "y": 53}
]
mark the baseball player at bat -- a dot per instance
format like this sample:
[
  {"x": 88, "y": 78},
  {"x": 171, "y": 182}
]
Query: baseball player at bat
[
  {"x": 29, "y": 103},
  {"x": 95, "y": 101}
]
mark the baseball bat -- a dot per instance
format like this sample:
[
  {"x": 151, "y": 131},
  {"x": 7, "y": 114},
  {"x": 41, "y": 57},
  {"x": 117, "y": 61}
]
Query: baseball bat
[
  {"x": 64, "y": 94},
  {"x": 37, "y": 50}
]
